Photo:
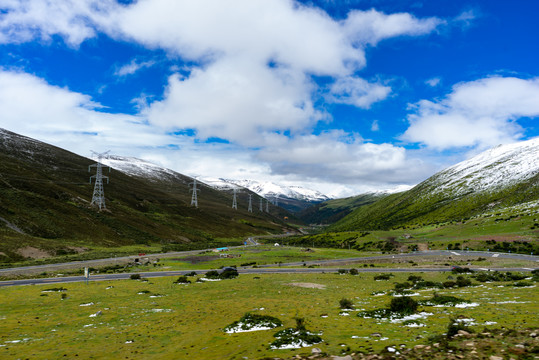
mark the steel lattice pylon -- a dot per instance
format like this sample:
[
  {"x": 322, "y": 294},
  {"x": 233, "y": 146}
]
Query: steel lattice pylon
[
  {"x": 98, "y": 197},
  {"x": 250, "y": 208},
  {"x": 234, "y": 201},
  {"x": 194, "y": 198}
]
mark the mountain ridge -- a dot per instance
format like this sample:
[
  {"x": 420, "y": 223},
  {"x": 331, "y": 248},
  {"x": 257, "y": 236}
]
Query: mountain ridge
[{"x": 487, "y": 181}]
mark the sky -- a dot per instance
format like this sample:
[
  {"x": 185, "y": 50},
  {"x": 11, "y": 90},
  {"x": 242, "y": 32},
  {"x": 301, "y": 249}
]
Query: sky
[{"x": 343, "y": 97}]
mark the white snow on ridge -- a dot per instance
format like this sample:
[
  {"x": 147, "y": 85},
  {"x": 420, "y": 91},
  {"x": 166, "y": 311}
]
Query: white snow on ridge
[
  {"x": 268, "y": 189},
  {"x": 138, "y": 167},
  {"x": 494, "y": 168}
]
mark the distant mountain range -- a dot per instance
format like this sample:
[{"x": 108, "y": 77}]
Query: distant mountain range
[
  {"x": 501, "y": 177},
  {"x": 292, "y": 198}
]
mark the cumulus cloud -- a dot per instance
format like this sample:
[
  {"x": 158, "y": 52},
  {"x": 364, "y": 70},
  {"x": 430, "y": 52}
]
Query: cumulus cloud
[
  {"x": 73, "y": 20},
  {"x": 370, "y": 27},
  {"x": 356, "y": 91},
  {"x": 33, "y": 107},
  {"x": 132, "y": 67},
  {"x": 250, "y": 82},
  {"x": 479, "y": 113},
  {"x": 344, "y": 158},
  {"x": 433, "y": 82}
]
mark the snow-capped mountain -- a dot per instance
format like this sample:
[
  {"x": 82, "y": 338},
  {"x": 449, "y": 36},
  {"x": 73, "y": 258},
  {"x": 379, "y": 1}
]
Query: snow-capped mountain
[
  {"x": 292, "y": 198},
  {"x": 138, "y": 167},
  {"x": 496, "y": 168},
  {"x": 498, "y": 179},
  {"x": 269, "y": 190}
]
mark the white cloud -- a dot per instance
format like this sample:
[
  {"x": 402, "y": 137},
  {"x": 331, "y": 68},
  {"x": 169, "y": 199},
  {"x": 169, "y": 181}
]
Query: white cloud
[
  {"x": 375, "y": 126},
  {"x": 132, "y": 67},
  {"x": 237, "y": 100},
  {"x": 433, "y": 82},
  {"x": 343, "y": 158},
  {"x": 356, "y": 91},
  {"x": 370, "y": 27},
  {"x": 479, "y": 113},
  {"x": 251, "y": 82},
  {"x": 32, "y": 107},
  {"x": 73, "y": 20}
]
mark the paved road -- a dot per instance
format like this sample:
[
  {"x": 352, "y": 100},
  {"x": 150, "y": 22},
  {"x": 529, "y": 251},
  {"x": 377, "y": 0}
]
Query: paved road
[{"x": 282, "y": 268}]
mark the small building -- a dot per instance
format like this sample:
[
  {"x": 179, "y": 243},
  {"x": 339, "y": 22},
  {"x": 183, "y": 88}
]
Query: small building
[{"x": 221, "y": 249}]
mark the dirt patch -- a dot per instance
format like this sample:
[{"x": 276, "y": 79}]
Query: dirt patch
[
  {"x": 77, "y": 249},
  {"x": 34, "y": 253},
  {"x": 422, "y": 247},
  {"x": 308, "y": 285},
  {"x": 197, "y": 259}
]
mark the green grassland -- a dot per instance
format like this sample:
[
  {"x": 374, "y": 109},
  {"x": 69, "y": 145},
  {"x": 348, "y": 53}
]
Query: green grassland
[
  {"x": 514, "y": 229},
  {"x": 157, "y": 319}
]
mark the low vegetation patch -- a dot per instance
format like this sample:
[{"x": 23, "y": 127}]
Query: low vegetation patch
[
  {"x": 253, "y": 322},
  {"x": 293, "y": 338},
  {"x": 398, "y": 308}
]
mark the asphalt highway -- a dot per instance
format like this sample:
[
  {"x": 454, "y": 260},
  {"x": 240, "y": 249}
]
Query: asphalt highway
[{"x": 286, "y": 268}]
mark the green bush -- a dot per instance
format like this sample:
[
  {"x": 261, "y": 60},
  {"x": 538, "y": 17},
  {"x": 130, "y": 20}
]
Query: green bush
[
  {"x": 182, "y": 280},
  {"x": 404, "y": 305},
  {"x": 383, "y": 276},
  {"x": 135, "y": 277},
  {"x": 353, "y": 271},
  {"x": 212, "y": 274},
  {"x": 229, "y": 274},
  {"x": 346, "y": 303}
]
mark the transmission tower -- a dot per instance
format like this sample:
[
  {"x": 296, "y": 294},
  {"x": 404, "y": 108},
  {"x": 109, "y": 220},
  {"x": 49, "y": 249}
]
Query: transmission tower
[
  {"x": 234, "y": 201},
  {"x": 250, "y": 208},
  {"x": 267, "y": 206},
  {"x": 194, "y": 199},
  {"x": 98, "y": 197},
  {"x": 261, "y": 206}
]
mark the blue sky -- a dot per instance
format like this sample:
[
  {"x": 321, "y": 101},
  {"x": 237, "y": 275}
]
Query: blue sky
[{"x": 340, "y": 96}]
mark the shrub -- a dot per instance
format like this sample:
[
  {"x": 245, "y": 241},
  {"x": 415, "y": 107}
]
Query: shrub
[
  {"x": 383, "y": 276},
  {"x": 353, "y": 271},
  {"x": 404, "y": 305},
  {"x": 342, "y": 271},
  {"x": 250, "y": 321},
  {"x": 449, "y": 284},
  {"x": 212, "y": 274},
  {"x": 414, "y": 278},
  {"x": 346, "y": 303},
  {"x": 192, "y": 273},
  {"x": 463, "y": 282},
  {"x": 402, "y": 286},
  {"x": 135, "y": 277},
  {"x": 229, "y": 274},
  {"x": 182, "y": 280}
]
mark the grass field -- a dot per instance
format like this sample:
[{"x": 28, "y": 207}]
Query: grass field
[{"x": 157, "y": 319}]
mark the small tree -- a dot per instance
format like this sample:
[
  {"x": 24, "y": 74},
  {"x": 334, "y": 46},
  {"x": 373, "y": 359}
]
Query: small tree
[{"x": 135, "y": 277}]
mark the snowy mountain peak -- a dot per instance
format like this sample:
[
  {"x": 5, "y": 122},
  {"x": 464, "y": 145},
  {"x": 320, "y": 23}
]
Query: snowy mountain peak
[
  {"x": 269, "y": 189},
  {"x": 498, "y": 167}
]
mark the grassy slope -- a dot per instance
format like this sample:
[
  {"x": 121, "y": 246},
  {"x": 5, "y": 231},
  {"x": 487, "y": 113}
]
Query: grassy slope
[
  {"x": 45, "y": 192},
  {"x": 416, "y": 206},
  {"x": 331, "y": 211}
]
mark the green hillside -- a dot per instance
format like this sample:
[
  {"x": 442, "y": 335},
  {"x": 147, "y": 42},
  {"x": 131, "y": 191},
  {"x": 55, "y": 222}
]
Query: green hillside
[
  {"x": 421, "y": 205},
  {"x": 45, "y": 199},
  {"x": 332, "y": 211}
]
